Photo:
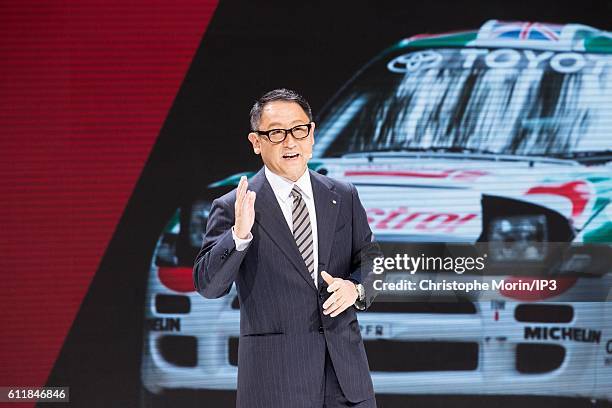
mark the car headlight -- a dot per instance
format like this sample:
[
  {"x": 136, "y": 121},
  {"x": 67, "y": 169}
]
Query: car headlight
[{"x": 518, "y": 238}]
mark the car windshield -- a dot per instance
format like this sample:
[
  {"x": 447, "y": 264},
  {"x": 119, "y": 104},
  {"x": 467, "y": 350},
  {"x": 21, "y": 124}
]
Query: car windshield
[{"x": 499, "y": 101}]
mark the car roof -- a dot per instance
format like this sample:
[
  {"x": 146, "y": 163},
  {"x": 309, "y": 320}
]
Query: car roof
[{"x": 519, "y": 34}]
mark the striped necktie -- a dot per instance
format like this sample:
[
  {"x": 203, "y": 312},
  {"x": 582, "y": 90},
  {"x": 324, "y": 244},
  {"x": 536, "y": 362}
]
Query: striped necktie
[{"x": 302, "y": 230}]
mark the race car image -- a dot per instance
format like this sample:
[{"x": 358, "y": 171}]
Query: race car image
[{"x": 501, "y": 134}]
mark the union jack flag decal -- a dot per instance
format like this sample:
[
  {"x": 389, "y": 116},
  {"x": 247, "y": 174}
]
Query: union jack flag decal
[{"x": 525, "y": 31}]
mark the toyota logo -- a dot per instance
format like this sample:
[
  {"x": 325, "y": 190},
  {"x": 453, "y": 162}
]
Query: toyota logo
[{"x": 415, "y": 61}]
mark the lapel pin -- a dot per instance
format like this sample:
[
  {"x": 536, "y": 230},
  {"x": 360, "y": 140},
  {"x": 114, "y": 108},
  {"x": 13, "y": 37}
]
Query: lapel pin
[{"x": 333, "y": 201}]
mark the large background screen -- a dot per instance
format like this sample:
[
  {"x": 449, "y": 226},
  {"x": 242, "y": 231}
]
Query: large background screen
[{"x": 457, "y": 122}]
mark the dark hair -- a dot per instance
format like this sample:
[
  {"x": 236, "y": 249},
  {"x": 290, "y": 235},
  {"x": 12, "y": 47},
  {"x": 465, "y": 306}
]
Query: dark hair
[{"x": 281, "y": 94}]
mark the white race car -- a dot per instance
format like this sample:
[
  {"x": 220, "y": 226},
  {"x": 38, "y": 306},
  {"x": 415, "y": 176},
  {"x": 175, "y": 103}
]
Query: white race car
[{"x": 448, "y": 138}]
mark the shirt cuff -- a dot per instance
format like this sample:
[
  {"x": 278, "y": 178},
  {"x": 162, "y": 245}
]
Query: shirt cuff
[{"x": 241, "y": 244}]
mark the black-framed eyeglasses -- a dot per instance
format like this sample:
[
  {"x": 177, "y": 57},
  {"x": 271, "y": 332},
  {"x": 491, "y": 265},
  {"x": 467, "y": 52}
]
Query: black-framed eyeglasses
[{"x": 279, "y": 135}]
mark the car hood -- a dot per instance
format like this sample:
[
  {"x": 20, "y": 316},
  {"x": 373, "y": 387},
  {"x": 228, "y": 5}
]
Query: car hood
[{"x": 438, "y": 199}]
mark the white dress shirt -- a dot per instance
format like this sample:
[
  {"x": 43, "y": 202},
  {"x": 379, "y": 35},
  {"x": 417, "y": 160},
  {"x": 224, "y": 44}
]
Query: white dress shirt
[{"x": 282, "y": 190}]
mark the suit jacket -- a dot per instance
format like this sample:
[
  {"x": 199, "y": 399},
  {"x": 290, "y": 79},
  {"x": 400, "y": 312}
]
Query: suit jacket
[{"x": 283, "y": 332}]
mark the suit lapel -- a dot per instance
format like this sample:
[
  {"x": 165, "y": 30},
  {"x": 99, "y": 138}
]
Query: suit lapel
[
  {"x": 327, "y": 205},
  {"x": 269, "y": 216}
]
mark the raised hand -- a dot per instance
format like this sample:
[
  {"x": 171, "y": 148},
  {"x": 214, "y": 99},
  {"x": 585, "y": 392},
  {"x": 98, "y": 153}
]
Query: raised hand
[
  {"x": 344, "y": 295},
  {"x": 244, "y": 209}
]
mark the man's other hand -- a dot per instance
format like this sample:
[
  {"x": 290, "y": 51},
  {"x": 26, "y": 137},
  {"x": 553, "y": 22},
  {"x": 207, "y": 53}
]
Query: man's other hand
[
  {"x": 344, "y": 295},
  {"x": 244, "y": 209}
]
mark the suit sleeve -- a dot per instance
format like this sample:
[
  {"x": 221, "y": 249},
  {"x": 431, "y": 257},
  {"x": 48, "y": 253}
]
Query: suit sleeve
[
  {"x": 218, "y": 262},
  {"x": 365, "y": 250}
]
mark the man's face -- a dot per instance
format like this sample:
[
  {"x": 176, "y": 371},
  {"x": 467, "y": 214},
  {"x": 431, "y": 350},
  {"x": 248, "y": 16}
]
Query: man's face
[{"x": 289, "y": 158}]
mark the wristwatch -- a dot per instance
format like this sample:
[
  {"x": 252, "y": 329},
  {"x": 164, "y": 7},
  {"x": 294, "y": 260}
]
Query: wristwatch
[{"x": 360, "y": 302}]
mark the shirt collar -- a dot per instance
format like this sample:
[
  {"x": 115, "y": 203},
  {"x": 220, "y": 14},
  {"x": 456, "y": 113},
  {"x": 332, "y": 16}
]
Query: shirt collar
[{"x": 282, "y": 187}]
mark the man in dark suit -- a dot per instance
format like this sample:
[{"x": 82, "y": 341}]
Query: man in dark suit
[{"x": 298, "y": 246}]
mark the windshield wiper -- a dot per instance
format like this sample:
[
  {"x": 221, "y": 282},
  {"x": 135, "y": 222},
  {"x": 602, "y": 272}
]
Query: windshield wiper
[
  {"x": 434, "y": 149},
  {"x": 591, "y": 157},
  {"x": 463, "y": 152}
]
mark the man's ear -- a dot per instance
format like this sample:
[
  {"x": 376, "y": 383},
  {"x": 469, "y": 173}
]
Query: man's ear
[
  {"x": 255, "y": 142},
  {"x": 312, "y": 131}
]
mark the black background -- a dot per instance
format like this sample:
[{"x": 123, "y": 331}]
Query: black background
[{"x": 251, "y": 47}]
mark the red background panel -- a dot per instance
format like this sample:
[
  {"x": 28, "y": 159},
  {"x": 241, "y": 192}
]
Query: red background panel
[{"x": 85, "y": 89}]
